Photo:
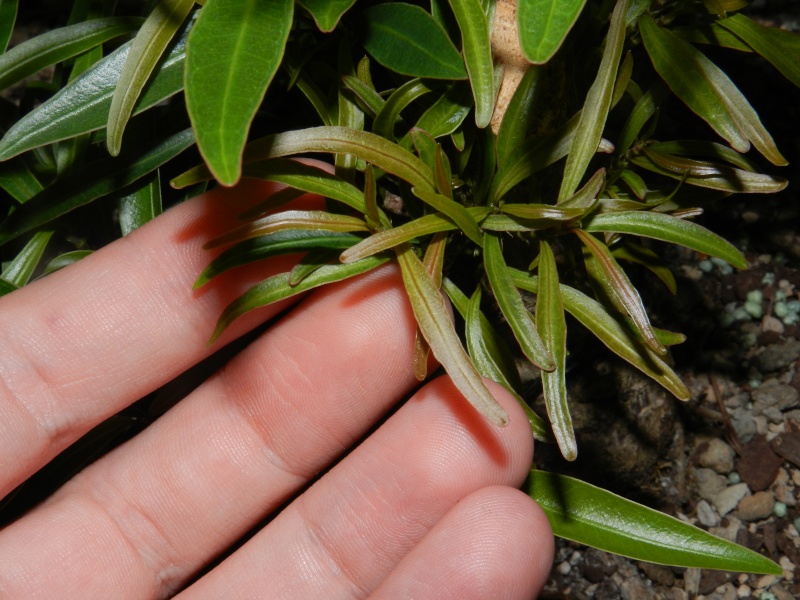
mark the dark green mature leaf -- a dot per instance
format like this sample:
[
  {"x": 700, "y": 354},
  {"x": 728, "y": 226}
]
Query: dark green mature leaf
[
  {"x": 371, "y": 100},
  {"x": 19, "y": 270},
  {"x": 552, "y": 327},
  {"x": 435, "y": 325},
  {"x": 595, "y": 109},
  {"x": 59, "y": 45},
  {"x": 455, "y": 211},
  {"x": 781, "y": 48},
  {"x": 326, "y": 13},
  {"x": 520, "y": 114},
  {"x": 8, "y": 17},
  {"x": 233, "y": 52},
  {"x": 66, "y": 259},
  {"x": 282, "y": 242},
  {"x": 589, "y": 515},
  {"x": 6, "y": 287},
  {"x": 707, "y": 91},
  {"x": 390, "y": 111},
  {"x": 146, "y": 51},
  {"x": 614, "y": 334},
  {"x": 448, "y": 112},
  {"x": 647, "y": 258},
  {"x": 477, "y": 51},
  {"x": 511, "y": 305},
  {"x": 544, "y": 25},
  {"x": 712, "y": 34},
  {"x": 667, "y": 228},
  {"x": 277, "y": 288},
  {"x": 82, "y": 106},
  {"x": 18, "y": 180},
  {"x": 409, "y": 41},
  {"x": 141, "y": 205},
  {"x": 642, "y": 112},
  {"x": 93, "y": 181}
]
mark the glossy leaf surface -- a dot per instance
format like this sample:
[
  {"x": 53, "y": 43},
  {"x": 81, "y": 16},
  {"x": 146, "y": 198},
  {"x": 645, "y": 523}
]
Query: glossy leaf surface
[
  {"x": 326, "y": 13},
  {"x": 455, "y": 211},
  {"x": 403, "y": 96},
  {"x": 140, "y": 206},
  {"x": 544, "y": 25},
  {"x": 18, "y": 272},
  {"x": 8, "y": 17},
  {"x": 593, "y": 516},
  {"x": 233, "y": 52}
]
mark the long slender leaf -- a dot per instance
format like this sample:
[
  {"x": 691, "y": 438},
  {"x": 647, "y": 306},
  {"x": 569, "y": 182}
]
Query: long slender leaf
[
  {"x": 148, "y": 47},
  {"x": 277, "y": 288},
  {"x": 520, "y": 114},
  {"x": 476, "y": 48},
  {"x": 18, "y": 180},
  {"x": 82, "y": 106},
  {"x": 326, "y": 13},
  {"x": 590, "y": 515},
  {"x": 669, "y": 229},
  {"x": 544, "y": 25},
  {"x": 85, "y": 185},
  {"x": 460, "y": 215},
  {"x": 448, "y": 112},
  {"x": 349, "y": 112},
  {"x": 407, "y": 40},
  {"x": 596, "y": 107},
  {"x": 510, "y": 303},
  {"x": 647, "y": 258},
  {"x": 59, "y": 45},
  {"x": 552, "y": 328},
  {"x": 434, "y": 322},
  {"x": 8, "y": 17},
  {"x": 642, "y": 112},
  {"x": 66, "y": 259},
  {"x": 390, "y": 111},
  {"x": 19, "y": 270},
  {"x": 372, "y": 100},
  {"x": 141, "y": 206}
]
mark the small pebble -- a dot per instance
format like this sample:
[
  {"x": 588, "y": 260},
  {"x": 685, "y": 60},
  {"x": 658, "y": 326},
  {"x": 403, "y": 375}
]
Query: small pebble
[
  {"x": 706, "y": 266},
  {"x": 734, "y": 477},
  {"x": 755, "y": 296},
  {"x": 706, "y": 514},
  {"x": 743, "y": 591},
  {"x": 564, "y": 568},
  {"x": 756, "y": 507},
  {"x": 717, "y": 456},
  {"x": 754, "y": 309},
  {"x": 728, "y": 498}
]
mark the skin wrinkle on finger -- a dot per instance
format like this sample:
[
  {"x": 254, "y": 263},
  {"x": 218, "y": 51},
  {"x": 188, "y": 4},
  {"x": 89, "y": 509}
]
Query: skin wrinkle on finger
[
  {"x": 340, "y": 530},
  {"x": 200, "y": 477}
]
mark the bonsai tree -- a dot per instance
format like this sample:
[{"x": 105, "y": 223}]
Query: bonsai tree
[{"x": 517, "y": 156}]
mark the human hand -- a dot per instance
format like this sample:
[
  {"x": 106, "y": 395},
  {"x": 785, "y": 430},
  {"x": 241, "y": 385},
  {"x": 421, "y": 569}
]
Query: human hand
[{"x": 425, "y": 507}]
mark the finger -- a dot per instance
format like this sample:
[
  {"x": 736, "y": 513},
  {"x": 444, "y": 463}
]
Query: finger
[
  {"x": 163, "y": 505},
  {"x": 89, "y": 340},
  {"x": 496, "y": 543},
  {"x": 349, "y": 531}
]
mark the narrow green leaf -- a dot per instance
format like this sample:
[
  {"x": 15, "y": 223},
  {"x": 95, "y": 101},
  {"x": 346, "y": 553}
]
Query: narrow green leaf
[
  {"x": 305, "y": 83},
  {"x": 520, "y": 114},
  {"x": 287, "y": 241},
  {"x": 8, "y": 17},
  {"x": 622, "y": 288},
  {"x": 350, "y": 114},
  {"x": 595, "y": 108},
  {"x": 704, "y": 149},
  {"x": 544, "y": 25},
  {"x": 66, "y": 259},
  {"x": 371, "y": 99},
  {"x": 644, "y": 109},
  {"x": 93, "y": 181},
  {"x": 455, "y": 211},
  {"x": 586, "y": 198},
  {"x": 434, "y": 322},
  {"x": 19, "y": 270},
  {"x": 59, "y": 45},
  {"x": 511, "y": 305},
  {"x": 477, "y": 51},
  {"x": 290, "y": 219},
  {"x": 308, "y": 264},
  {"x": 400, "y": 99},
  {"x": 647, "y": 258},
  {"x": 552, "y": 328},
  {"x": 616, "y": 336},
  {"x": 634, "y": 182},
  {"x": 6, "y": 287},
  {"x": 18, "y": 180},
  {"x": 277, "y": 288},
  {"x": 371, "y": 212},
  {"x": 448, "y": 112},
  {"x": 781, "y": 48},
  {"x": 712, "y": 34},
  {"x": 233, "y": 53},
  {"x": 443, "y": 173},
  {"x": 82, "y": 106},
  {"x": 326, "y": 13},
  {"x": 409, "y": 41},
  {"x": 667, "y": 228},
  {"x": 141, "y": 205},
  {"x": 586, "y": 514},
  {"x": 543, "y": 212},
  {"x": 146, "y": 51}
]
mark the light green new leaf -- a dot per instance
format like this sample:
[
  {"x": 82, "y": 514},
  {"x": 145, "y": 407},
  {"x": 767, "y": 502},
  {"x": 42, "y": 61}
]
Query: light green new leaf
[
  {"x": 667, "y": 228},
  {"x": 707, "y": 91},
  {"x": 282, "y": 242},
  {"x": 394, "y": 105},
  {"x": 233, "y": 52},
  {"x": 140, "y": 206},
  {"x": 8, "y": 17},
  {"x": 586, "y": 514},
  {"x": 781, "y": 48},
  {"x": 19, "y": 270},
  {"x": 455, "y": 211},
  {"x": 614, "y": 334},
  {"x": 586, "y": 197},
  {"x": 65, "y": 260},
  {"x": 409, "y": 41},
  {"x": 477, "y": 51},
  {"x": 371, "y": 100},
  {"x": 82, "y": 106},
  {"x": 277, "y": 288},
  {"x": 511, "y": 305},
  {"x": 595, "y": 109},
  {"x": 435, "y": 325},
  {"x": 59, "y": 45},
  {"x": 326, "y": 13},
  {"x": 154, "y": 36},
  {"x": 552, "y": 327},
  {"x": 93, "y": 181},
  {"x": 544, "y": 25}
]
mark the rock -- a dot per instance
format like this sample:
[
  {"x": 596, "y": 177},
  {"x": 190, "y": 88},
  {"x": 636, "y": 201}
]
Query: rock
[
  {"x": 717, "y": 455},
  {"x": 758, "y": 465},
  {"x": 726, "y": 592},
  {"x": 773, "y": 393},
  {"x": 607, "y": 590},
  {"x": 633, "y": 588},
  {"x": 658, "y": 573},
  {"x": 743, "y": 423},
  {"x": 777, "y": 356},
  {"x": 787, "y": 445},
  {"x": 706, "y": 514},
  {"x": 709, "y": 483},
  {"x": 711, "y": 580},
  {"x": 728, "y": 498},
  {"x": 756, "y": 507}
]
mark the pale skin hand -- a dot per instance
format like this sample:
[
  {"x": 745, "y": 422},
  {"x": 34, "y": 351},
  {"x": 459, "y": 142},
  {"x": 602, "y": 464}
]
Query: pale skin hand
[{"x": 425, "y": 507}]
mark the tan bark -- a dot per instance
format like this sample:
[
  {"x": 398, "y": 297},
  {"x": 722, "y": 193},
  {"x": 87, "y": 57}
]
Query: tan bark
[{"x": 507, "y": 52}]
